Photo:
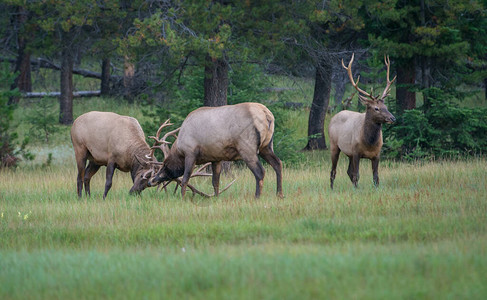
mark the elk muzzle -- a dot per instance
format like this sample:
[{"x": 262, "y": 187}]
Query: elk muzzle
[
  {"x": 391, "y": 119},
  {"x": 154, "y": 181}
]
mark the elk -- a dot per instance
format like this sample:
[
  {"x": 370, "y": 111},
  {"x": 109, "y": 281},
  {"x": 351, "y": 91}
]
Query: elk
[
  {"x": 359, "y": 135},
  {"x": 111, "y": 140},
  {"x": 162, "y": 144},
  {"x": 225, "y": 133}
]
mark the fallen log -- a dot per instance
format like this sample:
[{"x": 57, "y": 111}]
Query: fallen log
[
  {"x": 44, "y": 63},
  {"x": 57, "y": 94},
  {"x": 277, "y": 89}
]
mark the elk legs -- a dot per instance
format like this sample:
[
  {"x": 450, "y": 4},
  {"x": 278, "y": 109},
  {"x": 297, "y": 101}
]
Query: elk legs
[
  {"x": 335, "y": 154},
  {"x": 189, "y": 163},
  {"x": 81, "y": 174},
  {"x": 216, "y": 168},
  {"x": 268, "y": 155},
  {"x": 90, "y": 170},
  {"x": 258, "y": 170},
  {"x": 108, "y": 184},
  {"x": 353, "y": 169},
  {"x": 375, "y": 170}
]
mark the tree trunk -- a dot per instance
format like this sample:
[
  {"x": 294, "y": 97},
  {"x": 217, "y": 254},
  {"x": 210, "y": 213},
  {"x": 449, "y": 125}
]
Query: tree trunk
[
  {"x": 405, "y": 81},
  {"x": 321, "y": 99},
  {"x": 216, "y": 87},
  {"x": 485, "y": 88},
  {"x": 425, "y": 65},
  {"x": 24, "y": 82},
  {"x": 215, "y": 82},
  {"x": 128, "y": 79},
  {"x": 22, "y": 64},
  {"x": 340, "y": 81},
  {"x": 105, "y": 77},
  {"x": 425, "y": 80},
  {"x": 66, "y": 97}
]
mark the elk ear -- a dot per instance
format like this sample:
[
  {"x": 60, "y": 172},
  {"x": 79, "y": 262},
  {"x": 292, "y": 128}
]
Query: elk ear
[{"x": 144, "y": 161}]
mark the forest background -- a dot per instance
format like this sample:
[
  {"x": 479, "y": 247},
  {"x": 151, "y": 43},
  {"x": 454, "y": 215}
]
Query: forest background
[
  {"x": 174, "y": 56},
  {"x": 421, "y": 234}
]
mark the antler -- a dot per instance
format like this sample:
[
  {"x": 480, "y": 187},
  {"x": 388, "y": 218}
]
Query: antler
[
  {"x": 197, "y": 173},
  {"x": 350, "y": 76},
  {"x": 389, "y": 82},
  {"x": 158, "y": 142},
  {"x": 164, "y": 144},
  {"x": 196, "y": 191},
  {"x": 355, "y": 85},
  {"x": 161, "y": 143},
  {"x": 200, "y": 172}
]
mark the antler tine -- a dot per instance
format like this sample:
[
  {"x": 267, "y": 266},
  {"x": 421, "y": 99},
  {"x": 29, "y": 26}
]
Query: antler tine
[
  {"x": 156, "y": 138},
  {"x": 350, "y": 76},
  {"x": 164, "y": 143},
  {"x": 164, "y": 150},
  {"x": 170, "y": 133},
  {"x": 166, "y": 184},
  {"x": 193, "y": 189},
  {"x": 389, "y": 82},
  {"x": 203, "y": 166},
  {"x": 200, "y": 172},
  {"x": 229, "y": 185},
  {"x": 146, "y": 173},
  {"x": 163, "y": 125},
  {"x": 196, "y": 191}
]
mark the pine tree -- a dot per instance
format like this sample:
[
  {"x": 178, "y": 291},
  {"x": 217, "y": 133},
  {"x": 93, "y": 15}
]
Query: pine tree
[{"x": 434, "y": 36}]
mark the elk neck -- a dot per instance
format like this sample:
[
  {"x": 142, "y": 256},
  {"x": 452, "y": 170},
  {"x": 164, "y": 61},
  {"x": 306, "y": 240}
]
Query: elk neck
[
  {"x": 371, "y": 131},
  {"x": 174, "y": 165}
]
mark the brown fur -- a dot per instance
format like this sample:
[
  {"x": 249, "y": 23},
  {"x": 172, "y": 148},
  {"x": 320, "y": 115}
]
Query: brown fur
[
  {"x": 112, "y": 140},
  {"x": 358, "y": 135},
  {"x": 224, "y": 133}
]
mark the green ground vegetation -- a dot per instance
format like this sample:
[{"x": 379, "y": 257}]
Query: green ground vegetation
[{"x": 422, "y": 234}]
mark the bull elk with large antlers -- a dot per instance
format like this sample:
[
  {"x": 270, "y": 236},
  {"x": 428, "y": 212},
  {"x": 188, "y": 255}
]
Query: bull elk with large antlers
[
  {"x": 111, "y": 140},
  {"x": 163, "y": 145},
  {"x": 225, "y": 133},
  {"x": 359, "y": 135}
]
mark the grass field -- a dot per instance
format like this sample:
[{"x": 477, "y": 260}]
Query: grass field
[{"x": 422, "y": 234}]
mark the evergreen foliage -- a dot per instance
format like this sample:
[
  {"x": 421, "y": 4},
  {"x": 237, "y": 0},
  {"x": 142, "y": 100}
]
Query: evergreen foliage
[
  {"x": 169, "y": 43},
  {"x": 9, "y": 147},
  {"x": 44, "y": 120},
  {"x": 445, "y": 130}
]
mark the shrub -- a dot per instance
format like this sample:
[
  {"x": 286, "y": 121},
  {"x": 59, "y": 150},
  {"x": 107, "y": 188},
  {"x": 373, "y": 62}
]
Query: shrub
[
  {"x": 44, "y": 120},
  {"x": 286, "y": 146},
  {"x": 445, "y": 129},
  {"x": 9, "y": 150}
]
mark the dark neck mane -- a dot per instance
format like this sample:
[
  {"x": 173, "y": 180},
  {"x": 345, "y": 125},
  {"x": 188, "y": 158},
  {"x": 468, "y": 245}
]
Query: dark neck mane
[
  {"x": 174, "y": 164},
  {"x": 371, "y": 131}
]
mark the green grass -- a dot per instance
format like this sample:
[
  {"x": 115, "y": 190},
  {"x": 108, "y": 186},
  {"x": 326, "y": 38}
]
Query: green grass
[{"x": 421, "y": 235}]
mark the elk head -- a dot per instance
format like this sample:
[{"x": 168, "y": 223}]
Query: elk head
[
  {"x": 142, "y": 175},
  {"x": 376, "y": 108},
  {"x": 149, "y": 166}
]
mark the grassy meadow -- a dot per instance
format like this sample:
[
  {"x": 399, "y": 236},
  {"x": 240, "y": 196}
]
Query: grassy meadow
[{"x": 421, "y": 235}]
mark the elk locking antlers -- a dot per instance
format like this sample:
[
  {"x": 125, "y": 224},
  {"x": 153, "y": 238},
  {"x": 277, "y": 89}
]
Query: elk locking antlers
[{"x": 163, "y": 145}]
